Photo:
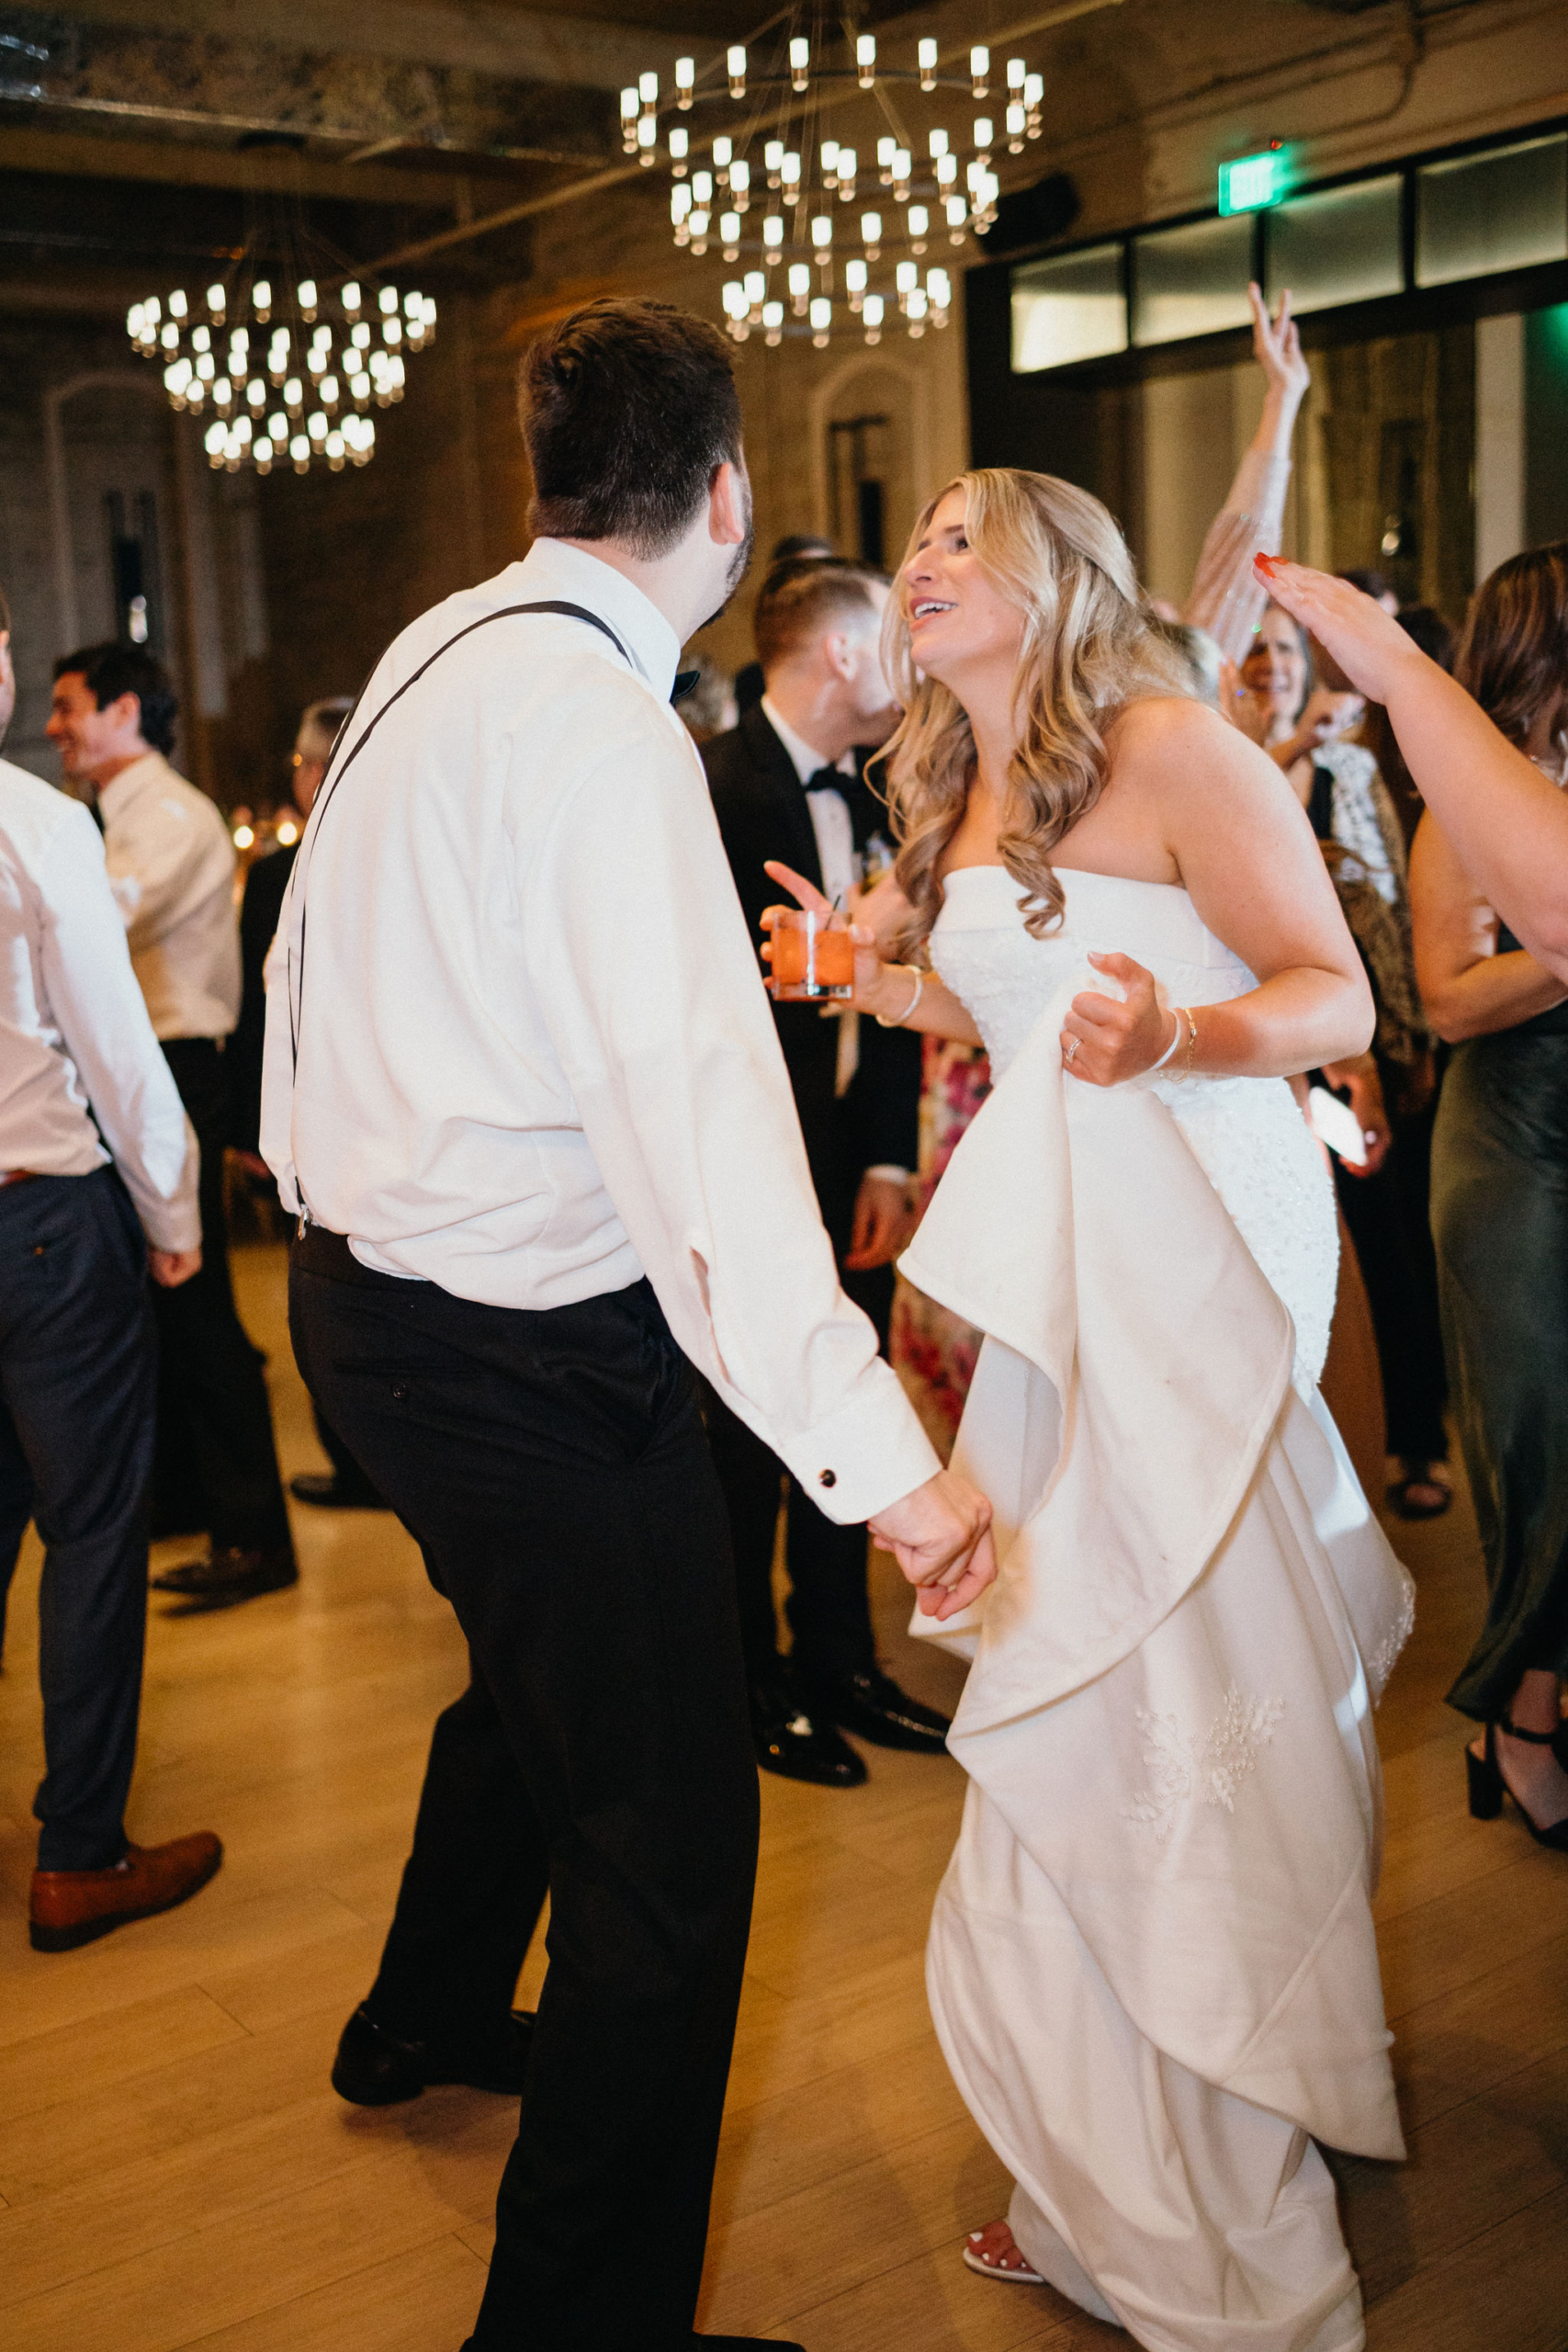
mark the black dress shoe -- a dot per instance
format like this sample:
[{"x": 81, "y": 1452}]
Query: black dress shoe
[
  {"x": 229, "y": 1575},
  {"x": 329, "y": 1492},
  {"x": 872, "y": 1705},
  {"x": 798, "y": 1746},
  {"x": 375, "y": 2068}
]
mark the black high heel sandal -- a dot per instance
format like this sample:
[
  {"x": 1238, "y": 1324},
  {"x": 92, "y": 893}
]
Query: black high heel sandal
[{"x": 1488, "y": 1788}]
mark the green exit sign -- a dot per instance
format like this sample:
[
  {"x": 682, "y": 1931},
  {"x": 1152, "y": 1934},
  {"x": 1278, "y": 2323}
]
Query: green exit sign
[{"x": 1252, "y": 183}]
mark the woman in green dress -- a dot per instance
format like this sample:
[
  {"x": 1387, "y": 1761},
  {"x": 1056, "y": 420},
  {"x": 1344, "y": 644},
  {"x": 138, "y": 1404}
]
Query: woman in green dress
[{"x": 1500, "y": 1219}]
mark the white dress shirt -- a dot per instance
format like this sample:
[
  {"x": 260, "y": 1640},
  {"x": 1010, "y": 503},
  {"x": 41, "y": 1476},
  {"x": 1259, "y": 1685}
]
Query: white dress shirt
[
  {"x": 75, "y": 1042},
  {"x": 535, "y": 1056},
  {"x": 834, "y": 829},
  {"x": 828, "y": 811},
  {"x": 171, "y": 865}
]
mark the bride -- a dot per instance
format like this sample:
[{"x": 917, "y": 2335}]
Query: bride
[{"x": 1150, "y": 1966}]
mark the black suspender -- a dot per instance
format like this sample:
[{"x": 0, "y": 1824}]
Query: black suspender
[{"x": 337, "y": 770}]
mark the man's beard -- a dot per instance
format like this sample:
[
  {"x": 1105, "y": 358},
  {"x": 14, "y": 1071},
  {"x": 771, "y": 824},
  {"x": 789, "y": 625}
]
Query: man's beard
[{"x": 739, "y": 564}]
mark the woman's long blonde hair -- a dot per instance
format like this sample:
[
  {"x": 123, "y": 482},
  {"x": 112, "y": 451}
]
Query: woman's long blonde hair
[{"x": 1087, "y": 650}]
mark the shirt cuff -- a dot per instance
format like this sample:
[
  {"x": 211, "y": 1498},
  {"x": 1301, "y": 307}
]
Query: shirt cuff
[
  {"x": 873, "y": 1452},
  {"x": 888, "y": 1173},
  {"x": 178, "y": 1227}
]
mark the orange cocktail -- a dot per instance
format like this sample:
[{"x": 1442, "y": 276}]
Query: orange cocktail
[{"x": 814, "y": 956}]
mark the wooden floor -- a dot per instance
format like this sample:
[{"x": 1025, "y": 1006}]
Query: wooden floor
[{"x": 175, "y": 2169}]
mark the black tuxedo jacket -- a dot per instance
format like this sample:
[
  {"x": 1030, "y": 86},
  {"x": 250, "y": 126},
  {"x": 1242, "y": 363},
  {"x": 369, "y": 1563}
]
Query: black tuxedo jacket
[
  {"x": 762, "y": 813},
  {"x": 259, "y": 911}
]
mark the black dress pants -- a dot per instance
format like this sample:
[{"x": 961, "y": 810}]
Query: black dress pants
[
  {"x": 1388, "y": 1216},
  {"x": 554, "y": 1470},
  {"x": 828, "y": 1605},
  {"x": 217, "y": 1461},
  {"x": 78, "y": 1383},
  {"x": 353, "y": 1484}
]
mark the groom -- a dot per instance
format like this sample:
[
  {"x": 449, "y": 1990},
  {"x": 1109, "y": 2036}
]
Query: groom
[{"x": 528, "y": 1094}]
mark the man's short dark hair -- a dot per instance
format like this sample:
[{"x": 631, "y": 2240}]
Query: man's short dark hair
[
  {"x": 628, "y": 410},
  {"x": 5, "y": 615},
  {"x": 109, "y": 671},
  {"x": 799, "y": 600},
  {"x": 798, "y": 546},
  {"x": 321, "y": 724}
]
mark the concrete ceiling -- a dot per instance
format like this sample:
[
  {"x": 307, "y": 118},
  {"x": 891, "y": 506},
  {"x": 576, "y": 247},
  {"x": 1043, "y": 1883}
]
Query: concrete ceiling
[
  {"x": 432, "y": 110},
  {"x": 403, "y": 122}
]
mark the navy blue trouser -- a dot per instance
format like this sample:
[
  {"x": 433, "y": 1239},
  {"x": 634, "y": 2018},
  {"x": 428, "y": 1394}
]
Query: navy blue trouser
[
  {"x": 78, "y": 1389},
  {"x": 553, "y": 1468}
]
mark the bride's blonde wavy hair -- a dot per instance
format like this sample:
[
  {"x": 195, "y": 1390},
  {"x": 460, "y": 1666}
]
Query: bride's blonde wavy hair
[{"x": 1087, "y": 650}]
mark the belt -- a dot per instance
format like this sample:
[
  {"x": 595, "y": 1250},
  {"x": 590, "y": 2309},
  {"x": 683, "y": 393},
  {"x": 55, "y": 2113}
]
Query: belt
[{"x": 17, "y": 1176}]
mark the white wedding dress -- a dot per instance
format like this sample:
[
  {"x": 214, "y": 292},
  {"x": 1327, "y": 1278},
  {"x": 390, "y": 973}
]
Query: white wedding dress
[{"x": 1152, "y": 1966}]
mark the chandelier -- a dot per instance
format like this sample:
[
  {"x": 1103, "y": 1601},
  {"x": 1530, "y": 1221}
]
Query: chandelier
[
  {"x": 818, "y": 226},
  {"x": 289, "y": 372}
]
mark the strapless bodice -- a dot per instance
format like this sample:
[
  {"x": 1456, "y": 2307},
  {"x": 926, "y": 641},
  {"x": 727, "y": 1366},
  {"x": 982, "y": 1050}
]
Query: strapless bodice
[
  {"x": 1246, "y": 1133},
  {"x": 1007, "y": 978}
]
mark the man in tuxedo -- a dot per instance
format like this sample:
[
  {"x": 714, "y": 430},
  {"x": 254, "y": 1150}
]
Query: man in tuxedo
[
  {"x": 797, "y": 547},
  {"x": 788, "y": 783}
]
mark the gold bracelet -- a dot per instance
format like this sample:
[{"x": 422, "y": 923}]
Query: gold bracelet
[
  {"x": 882, "y": 1022},
  {"x": 1179, "y": 1077}
]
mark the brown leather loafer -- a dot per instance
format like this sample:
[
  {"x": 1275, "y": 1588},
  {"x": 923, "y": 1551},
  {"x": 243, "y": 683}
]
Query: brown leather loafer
[{"x": 72, "y": 1907}]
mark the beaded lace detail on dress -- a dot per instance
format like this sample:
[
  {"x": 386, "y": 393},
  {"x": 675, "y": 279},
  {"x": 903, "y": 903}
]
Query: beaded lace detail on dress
[
  {"x": 1185, "y": 1769},
  {"x": 1246, "y": 1133}
]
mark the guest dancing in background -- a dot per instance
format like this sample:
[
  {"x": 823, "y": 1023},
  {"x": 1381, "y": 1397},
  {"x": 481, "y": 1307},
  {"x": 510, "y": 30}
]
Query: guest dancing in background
[
  {"x": 788, "y": 782},
  {"x": 1226, "y": 600},
  {"x": 1303, "y": 724},
  {"x": 1500, "y": 1217},
  {"x": 100, "y": 1188},
  {"x": 1504, "y": 818},
  {"x": 171, "y": 866}
]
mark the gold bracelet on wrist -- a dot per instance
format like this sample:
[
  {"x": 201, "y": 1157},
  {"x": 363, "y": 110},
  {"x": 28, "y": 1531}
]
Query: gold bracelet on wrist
[
  {"x": 1184, "y": 1011},
  {"x": 919, "y": 981}
]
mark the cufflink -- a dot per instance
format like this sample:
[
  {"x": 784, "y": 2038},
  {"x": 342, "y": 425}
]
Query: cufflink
[{"x": 827, "y": 1477}]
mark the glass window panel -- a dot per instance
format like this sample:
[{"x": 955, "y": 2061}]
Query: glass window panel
[
  {"x": 1068, "y": 307},
  {"x": 1341, "y": 246},
  {"x": 1504, "y": 210},
  {"x": 1192, "y": 281}
]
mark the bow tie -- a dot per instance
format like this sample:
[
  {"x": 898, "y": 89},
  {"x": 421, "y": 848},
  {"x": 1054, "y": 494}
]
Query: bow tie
[{"x": 827, "y": 780}]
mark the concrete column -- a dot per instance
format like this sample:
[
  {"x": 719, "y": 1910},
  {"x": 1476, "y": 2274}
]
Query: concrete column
[{"x": 1499, "y": 441}]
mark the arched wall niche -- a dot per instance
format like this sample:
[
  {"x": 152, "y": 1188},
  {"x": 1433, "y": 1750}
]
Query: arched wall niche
[
  {"x": 872, "y": 457},
  {"x": 146, "y": 544}
]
